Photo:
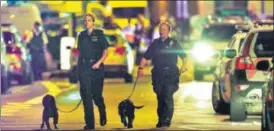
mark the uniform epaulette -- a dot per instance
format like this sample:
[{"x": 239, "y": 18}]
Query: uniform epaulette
[
  {"x": 98, "y": 31},
  {"x": 81, "y": 33}
]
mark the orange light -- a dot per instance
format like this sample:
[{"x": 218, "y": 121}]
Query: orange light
[
  {"x": 75, "y": 51},
  {"x": 270, "y": 97},
  {"x": 16, "y": 67}
]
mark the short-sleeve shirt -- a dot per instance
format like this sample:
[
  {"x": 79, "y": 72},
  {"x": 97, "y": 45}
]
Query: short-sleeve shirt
[
  {"x": 92, "y": 46},
  {"x": 30, "y": 35},
  {"x": 164, "y": 52}
]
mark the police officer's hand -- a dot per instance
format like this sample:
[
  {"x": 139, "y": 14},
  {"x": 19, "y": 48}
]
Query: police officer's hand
[
  {"x": 96, "y": 65},
  {"x": 140, "y": 72}
]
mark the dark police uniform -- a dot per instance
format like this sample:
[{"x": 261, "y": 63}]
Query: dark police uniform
[
  {"x": 165, "y": 75},
  {"x": 38, "y": 61},
  {"x": 91, "y": 48}
]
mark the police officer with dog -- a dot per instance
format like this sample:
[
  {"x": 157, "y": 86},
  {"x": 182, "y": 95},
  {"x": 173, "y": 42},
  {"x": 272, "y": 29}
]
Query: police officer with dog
[
  {"x": 164, "y": 52},
  {"x": 92, "y": 47}
]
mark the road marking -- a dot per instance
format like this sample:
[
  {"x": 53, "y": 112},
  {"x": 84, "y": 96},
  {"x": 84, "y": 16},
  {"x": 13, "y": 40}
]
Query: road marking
[
  {"x": 11, "y": 108},
  {"x": 52, "y": 90}
]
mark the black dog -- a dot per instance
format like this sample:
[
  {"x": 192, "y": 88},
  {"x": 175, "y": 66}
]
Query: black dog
[
  {"x": 49, "y": 111},
  {"x": 126, "y": 109}
]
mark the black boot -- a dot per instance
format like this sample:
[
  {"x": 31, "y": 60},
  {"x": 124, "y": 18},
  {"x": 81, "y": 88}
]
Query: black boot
[
  {"x": 89, "y": 127},
  {"x": 166, "y": 122},
  {"x": 160, "y": 123},
  {"x": 103, "y": 119}
]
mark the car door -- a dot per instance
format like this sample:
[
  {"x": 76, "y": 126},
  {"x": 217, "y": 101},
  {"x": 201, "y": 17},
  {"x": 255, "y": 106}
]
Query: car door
[
  {"x": 224, "y": 61},
  {"x": 226, "y": 67}
]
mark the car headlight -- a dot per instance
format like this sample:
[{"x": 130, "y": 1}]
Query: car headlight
[{"x": 202, "y": 52}]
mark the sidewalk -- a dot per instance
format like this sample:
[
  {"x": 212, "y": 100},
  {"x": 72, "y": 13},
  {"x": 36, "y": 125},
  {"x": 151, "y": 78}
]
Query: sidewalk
[{"x": 23, "y": 93}]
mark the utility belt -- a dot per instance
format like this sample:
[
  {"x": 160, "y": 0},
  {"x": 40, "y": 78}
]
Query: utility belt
[
  {"x": 165, "y": 74},
  {"x": 168, "y": 70},
  {"x": 88, "y": 62},
  {"x": 85, "y": 61},
  {"x": 166, "y": 67}
]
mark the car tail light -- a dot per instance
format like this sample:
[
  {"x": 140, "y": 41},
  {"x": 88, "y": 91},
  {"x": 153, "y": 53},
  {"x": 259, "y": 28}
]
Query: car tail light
[
  {"x": 241, "y": 87},
  {"x": 75, "y": 51},
  {"x": 15, "y": 67},
  {"x": 120, "y": 50},
  {"x": 13, "y": 50},
  {"x": 270, "y": 98},
  {"x": 14, "y": 58},
  {"x": 244, "y": 62}
]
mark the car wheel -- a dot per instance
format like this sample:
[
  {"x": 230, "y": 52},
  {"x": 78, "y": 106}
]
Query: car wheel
[
  {"x": 264, "y": 125},
  {"x": 128, "y": 78},
  {"x": 5, "y": 84},
  {"x": 237, "y": 111},
  {"x": 219, "y": 105},
  {"x": 198, "y": 75}
]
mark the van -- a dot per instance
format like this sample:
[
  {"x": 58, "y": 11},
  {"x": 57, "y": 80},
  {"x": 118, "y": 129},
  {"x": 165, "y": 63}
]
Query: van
[{"x": 21, "y": 16}]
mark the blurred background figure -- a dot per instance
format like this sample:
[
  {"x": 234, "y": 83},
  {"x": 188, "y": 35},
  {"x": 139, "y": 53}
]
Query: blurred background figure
[
  {"x": 37, "y": 42},
  {"x": 252, "y": 13},
  {"x": 139, "y": 37},
  {"x": 129, "y": 32},
  {"x": 156, "y": 28},
  {"x": 110, "y": 24}
]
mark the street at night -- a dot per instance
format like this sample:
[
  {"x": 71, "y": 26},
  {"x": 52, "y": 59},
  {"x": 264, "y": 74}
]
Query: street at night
[
  {"x": 193, "y": 107},
  {"x": 137, "y": 65}
]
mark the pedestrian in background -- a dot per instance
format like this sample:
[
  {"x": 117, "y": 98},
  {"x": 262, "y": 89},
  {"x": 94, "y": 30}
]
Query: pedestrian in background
[{"x": 37, "y": 44}]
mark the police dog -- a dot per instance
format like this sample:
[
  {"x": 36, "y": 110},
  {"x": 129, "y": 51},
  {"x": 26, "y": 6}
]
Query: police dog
[
  {"x": 126, "y": 110},
  {"x": 50, "y": 110}
]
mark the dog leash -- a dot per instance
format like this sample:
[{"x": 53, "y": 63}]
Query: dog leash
[
  {"x": 82, "y": 100},
  {"x": 133, "y": 87},
  {"x": 72, "y": 109}
]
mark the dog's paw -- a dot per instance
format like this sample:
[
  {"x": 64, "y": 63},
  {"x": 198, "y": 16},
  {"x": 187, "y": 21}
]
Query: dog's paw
[{"x": 129, "y": 126}]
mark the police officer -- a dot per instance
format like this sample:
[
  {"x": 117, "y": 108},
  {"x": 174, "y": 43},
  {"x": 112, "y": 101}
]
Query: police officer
[
  {"x": 92, "y": 46},
  {"x": 37, "y": 42},
  {"x": 165, "y": 74}
]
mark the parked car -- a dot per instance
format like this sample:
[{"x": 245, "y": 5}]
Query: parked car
[
  {"x": 268, "y": 88},
  {"x": 237, "y": 86},
  {"x": 121, "y": 57},
  {"x": 19, "y": 60},
  {"x": 5, "y": 85},
  {"x": 220, "y": 74}
]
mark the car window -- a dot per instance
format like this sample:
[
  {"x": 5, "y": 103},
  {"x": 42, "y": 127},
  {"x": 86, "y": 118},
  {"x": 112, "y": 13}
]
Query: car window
[
  {"x": 264, "y": 46},
  {"x": 128, "y": 12},
  {"x": 219, "y": 32},
  {"x": 9, "y": 37},
  {"x": 230, "y": 45},
  {"x": 112, "y": 39},
  {"x": 98, "y": 13}
]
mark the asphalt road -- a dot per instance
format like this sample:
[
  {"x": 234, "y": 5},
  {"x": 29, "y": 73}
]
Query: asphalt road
[{"x": 22, "y": 110}]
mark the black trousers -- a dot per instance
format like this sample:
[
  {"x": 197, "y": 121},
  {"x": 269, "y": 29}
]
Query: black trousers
[
  {"x": 165, "y": 84},
  {"x": 38, "y": 64},
  {"x": 91, "y": 90}
]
